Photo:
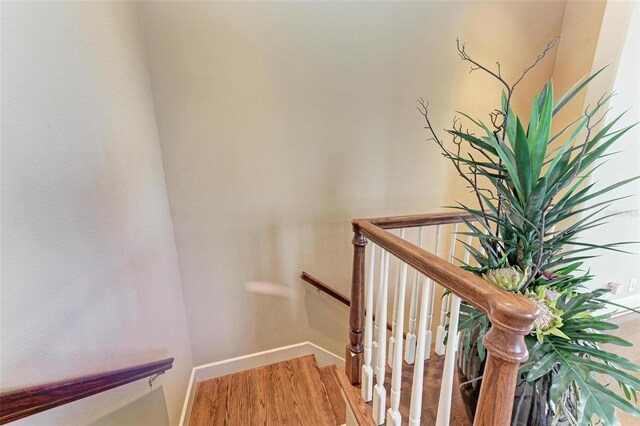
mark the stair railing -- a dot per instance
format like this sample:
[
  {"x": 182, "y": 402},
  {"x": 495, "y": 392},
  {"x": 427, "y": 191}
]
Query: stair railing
[
  {"x": 511, "y": 317},
  {"x": 20, "y": 403}
]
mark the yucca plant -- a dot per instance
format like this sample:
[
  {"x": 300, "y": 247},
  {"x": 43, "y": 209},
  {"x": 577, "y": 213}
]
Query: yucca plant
[{"x": 534, "y": 198}]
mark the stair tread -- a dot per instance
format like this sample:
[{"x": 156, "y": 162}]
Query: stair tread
[
  {"x": 360, "y": 409},
  {"x": 286, "y": 393},
  {"x": 430, "y": 394},
  {"x": 330, "y": 381}
]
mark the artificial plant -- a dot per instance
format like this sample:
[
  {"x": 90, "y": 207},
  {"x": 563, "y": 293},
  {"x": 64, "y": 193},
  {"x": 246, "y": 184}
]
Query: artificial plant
[{"x": 534, "y": 198}]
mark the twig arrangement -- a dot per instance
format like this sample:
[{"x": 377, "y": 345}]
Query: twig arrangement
[{"x": 533, "y": 200}]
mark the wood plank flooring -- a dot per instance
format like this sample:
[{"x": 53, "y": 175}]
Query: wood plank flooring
[
  {"x": 297, "y": 392},
  {"x": 331, "y": 385},
  {"x": 287, "y": 393},
  {"x": 629, "y": 330}
]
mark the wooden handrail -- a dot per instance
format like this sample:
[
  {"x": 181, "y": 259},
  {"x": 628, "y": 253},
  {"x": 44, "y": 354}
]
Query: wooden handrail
[
  {"x": 511, "y": 315},
  {"x": 25, "y": 402},
  {"x": 411, "y": 221},
  {"x": 325, "y": 288},
  {"x": 334, "y": 293},
  {"x": 506, "y": 309}
]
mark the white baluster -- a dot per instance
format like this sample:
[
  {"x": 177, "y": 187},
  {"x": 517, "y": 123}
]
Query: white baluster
[
  {"x": 393, "y": 414},
  {"x": 410, "y": 340},
  {"x": 379, "y": 298},
  {"x": 431, "y": 291},
  {"x": 444, "y": 311},
  {"x": 446, "y": 388},
  {"x": 467, "y": 257},
  {"x": 415, "y": 410},
  {"x": 379, "y": 392},
  {"x": 467, "y": 253},
  {"x": 444, "y": 403},
  {"x": 367, "y": 372},
  {"x": 394, "y": 317}
]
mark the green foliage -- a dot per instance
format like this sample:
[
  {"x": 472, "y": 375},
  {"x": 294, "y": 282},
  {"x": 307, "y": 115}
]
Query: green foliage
[
  {"x": 534, "y": 200},
  {"x": 535, "y": 189}
]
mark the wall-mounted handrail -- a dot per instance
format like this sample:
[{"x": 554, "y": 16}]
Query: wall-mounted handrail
[
  {"x": 325, "y": 288},
  {"x": 25, "y": 402},
  {"x": 511, "y": 315},
  {"x": 305, "y": 276}
]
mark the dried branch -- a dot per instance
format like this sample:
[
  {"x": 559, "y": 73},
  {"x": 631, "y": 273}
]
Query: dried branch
[
  {"x": 456, "y": 163},
  {"x": 540, "y": 57},
  {"x": 499, "y": 119},
  {"x": 477, "y": 66}
]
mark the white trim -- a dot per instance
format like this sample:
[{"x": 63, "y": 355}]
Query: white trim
[
  {"x": 188, "y": 400},
  {"x": 631, "y": 301},
  {"x": 255, "y": 360},
  {"x": 325, "y": 357}
]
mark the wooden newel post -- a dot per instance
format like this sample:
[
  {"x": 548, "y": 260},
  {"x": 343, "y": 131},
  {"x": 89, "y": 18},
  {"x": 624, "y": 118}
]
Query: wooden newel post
[
  {"x": 506, "y": 350},
  {"x": 355, "y": 349}
]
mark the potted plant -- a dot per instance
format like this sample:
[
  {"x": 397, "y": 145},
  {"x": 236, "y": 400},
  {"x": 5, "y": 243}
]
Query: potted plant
[{"x": 534, "y": 198}]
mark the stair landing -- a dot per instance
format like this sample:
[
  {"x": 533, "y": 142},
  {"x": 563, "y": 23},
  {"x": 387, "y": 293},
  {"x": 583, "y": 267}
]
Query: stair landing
[
  {"x": 292, "y": 392},
  {"x": 433, "y": 368}
]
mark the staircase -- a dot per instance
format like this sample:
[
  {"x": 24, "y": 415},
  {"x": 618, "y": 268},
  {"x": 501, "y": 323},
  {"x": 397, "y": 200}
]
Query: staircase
[
  {"x": 407, "y": 376},
  {"x": 293, "y": 392},
  {"x": 298, "y": 392},
  {"x": 433, "y": 369}
]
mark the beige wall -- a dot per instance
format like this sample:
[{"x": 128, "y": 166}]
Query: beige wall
[
  {"x": 594, "y": 35},
  {"x": 279, "y": 122},
  {"x": 575, "y": 53},
  {"x": 620, "y": 49},
  {"x": 90, "y": 279}
]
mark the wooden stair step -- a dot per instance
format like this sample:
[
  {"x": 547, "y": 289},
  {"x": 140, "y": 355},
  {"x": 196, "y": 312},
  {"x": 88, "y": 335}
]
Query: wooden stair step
[
  {"x": 433, "y": 368},
  {"x": 360, "y": 409},
  {"x": 286, "y": 393},
  {"x": 331, "y": 385}
]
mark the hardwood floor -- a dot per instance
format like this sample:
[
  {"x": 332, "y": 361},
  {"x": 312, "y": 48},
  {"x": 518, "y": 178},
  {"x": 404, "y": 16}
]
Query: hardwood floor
[
  {"x": 297, "y": 392},
  {"x": 629, "y": 330},
  {"x": 330, "y": 381},
  {"x": 286, "y": 393},
  {"x": 430, "y": 395}
]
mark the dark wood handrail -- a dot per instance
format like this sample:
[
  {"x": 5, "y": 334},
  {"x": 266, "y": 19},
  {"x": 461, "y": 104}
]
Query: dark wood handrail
[
  {"x": 325, "y": 288},
  {"x": 25, "y": 402},
  {"x": 509, "y": 310},
  {"x": 511, "y": 315},
  {"x": 334, "y": 293},
  {"x": 429, "y": 219}
]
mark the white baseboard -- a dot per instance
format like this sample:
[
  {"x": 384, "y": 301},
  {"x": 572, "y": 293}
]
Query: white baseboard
[
  {"x": 255, "y": 360},
  {"x": 632, "y": 301}
]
